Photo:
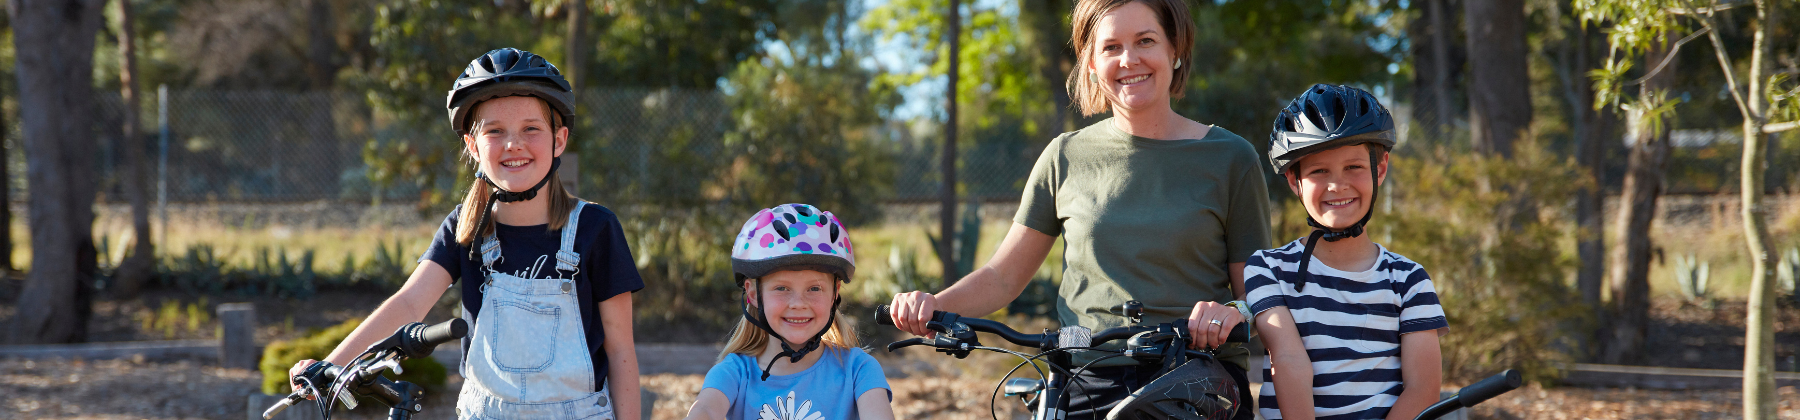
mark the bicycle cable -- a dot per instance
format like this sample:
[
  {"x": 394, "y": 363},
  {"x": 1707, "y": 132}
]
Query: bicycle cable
[
  {"x": 993, "y": 398},
  {"x": 1075, "y": 379},
  {"x": 1074, "y": 376}
]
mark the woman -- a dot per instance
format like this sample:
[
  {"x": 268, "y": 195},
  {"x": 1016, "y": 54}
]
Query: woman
[{"x": 1153, "y": 206}]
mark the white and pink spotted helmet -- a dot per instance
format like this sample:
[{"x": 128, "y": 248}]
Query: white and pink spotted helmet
[{"x": 792, "y": 237}]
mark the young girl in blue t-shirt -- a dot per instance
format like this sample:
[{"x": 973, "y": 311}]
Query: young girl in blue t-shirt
[
  {"x": 547, "y": 278},
  {"x": 791, "y": 358}
]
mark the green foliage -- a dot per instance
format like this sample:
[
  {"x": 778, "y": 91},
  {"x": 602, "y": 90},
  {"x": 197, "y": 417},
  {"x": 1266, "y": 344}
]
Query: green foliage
[
  {"x": 1693, "y": 277},
  {"x": 1784, "y": 101},
  {"x": 419, "y": 163},
  {"x": 804, "y": 133},
  {"x": 1788, "y": 273},
  {"x": 684, "y": 258},
  {"x": 1252, "y": 57},
  {"x": 1504, "y": 294},
  {"x": 200, "y": 269},
  {"x": 686, "y": 44},
  {"x": 316, "y": 345},
  {"x": 902, "y": 275},
  {"x": 1634, "y": 27},
  {"x": 999, "y": 85},
  {"x": 173, "y": 318},
  {"x": 389, "y": 267},
  {"x": 967, "y": 238}
]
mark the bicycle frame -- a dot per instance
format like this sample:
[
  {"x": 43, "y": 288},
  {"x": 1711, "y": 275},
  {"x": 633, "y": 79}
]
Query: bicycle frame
[{"x": 956, "y": 337}]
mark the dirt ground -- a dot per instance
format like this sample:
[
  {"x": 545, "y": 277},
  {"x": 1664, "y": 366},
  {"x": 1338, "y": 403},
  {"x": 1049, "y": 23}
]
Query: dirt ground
[
  {"x": 1682, "y": 335},
  {"x": 124, "y": 389}
]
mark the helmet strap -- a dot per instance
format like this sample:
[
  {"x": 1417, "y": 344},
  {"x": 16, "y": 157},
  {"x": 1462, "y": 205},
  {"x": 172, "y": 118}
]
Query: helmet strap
[
  {"x": 1334, "y": 235},
  {"x": 793, "y": 355},
  {"x": 505, "y": 196}
]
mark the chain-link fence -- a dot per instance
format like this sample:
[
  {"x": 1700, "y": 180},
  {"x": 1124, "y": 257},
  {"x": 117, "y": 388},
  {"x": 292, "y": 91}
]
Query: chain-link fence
[{"x": 634, "y": 145}]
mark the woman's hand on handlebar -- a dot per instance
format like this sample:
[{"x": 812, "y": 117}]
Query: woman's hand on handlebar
[
  {"x": 1210, "y": 323},
  {"x": 912, "y": 310}
]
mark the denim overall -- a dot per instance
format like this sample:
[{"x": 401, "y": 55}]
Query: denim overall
[{"x": 528, "y": 358}]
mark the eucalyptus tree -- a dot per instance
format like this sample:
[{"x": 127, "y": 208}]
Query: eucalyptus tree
[
  {"x": 1758, "y": 95},
  {"x": 54, "y": 43}
]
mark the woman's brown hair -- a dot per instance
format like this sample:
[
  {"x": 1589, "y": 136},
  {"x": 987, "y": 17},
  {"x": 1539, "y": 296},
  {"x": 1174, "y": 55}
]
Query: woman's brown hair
[
  {"x": 1176, "y": 23},
  {"x": 480, "y": 197}
]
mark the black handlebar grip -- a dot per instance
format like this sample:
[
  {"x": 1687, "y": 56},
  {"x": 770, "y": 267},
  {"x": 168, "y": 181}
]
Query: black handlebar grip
[
  {"x": 1489, "y": 388},
  {"x": 418, "y": 340},
  {"x": 1239, "y": 334},
  {"x": 882, "y": 317}
]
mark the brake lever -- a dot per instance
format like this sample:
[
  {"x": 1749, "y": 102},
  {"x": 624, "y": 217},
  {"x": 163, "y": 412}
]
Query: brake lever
[{"x": 904, "y": 343}]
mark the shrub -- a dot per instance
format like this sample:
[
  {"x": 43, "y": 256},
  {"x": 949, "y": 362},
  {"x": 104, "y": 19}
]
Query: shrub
[
  {"x": 1496, "y": 236},
  {"x": 281, "y": 355}
]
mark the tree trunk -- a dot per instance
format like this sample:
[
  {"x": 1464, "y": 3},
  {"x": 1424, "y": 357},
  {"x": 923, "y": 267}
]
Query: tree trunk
[
  {"x": 1759, "y": 336},
  {"x": 947, "y": 195},
  {"x": 322, "y": 65},
  {"x": 1432, "y": 32},
  {"x": 140, "y": 265},
  {"x": 1628, "y": 315},
  {"x": 1042, "y": 21},
  {"x": 54, "y": 43},
  {"x": 1590, "y": 136},
  {"x": 576, "y": 59},
  {"x": 6, "y": 244},
  {"x": 1499, "y": 86}
]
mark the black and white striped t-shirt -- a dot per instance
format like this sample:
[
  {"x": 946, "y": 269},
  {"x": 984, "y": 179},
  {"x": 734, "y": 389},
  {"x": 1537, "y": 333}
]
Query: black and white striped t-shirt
[{"x": 1350, "y": 324}]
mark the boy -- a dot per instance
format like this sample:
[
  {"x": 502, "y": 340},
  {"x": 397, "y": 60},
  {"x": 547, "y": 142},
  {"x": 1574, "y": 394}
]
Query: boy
[{"x": 1340, "y": 317}]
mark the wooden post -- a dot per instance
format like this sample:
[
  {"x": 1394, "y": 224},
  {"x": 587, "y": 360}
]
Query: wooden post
[{"x": 237, "y": 341}]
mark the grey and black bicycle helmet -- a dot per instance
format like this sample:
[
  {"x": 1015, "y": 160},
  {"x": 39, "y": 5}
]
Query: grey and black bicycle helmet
[
  {"x": 1200, "y": 389},
  {"x": 508, "y": 72},
  {"x": 1324, "y": 118}
]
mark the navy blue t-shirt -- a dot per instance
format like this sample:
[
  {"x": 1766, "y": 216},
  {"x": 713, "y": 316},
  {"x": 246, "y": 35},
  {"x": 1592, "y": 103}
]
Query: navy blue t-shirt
[{"x": 606, "y": 270}]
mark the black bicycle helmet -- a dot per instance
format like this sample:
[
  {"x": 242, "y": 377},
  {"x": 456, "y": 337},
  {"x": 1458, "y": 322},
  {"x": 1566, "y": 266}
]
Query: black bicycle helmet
[
  {"x": 1200, "y": 389},
  {"x": 508, "y": 72},
  {"x": 1324, "y": 118},
  {"x": 500, "y": 73}
]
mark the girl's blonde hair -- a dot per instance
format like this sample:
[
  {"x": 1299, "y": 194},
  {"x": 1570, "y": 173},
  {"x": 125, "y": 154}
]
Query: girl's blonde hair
[
  {"x": 1176, "y": 23},
  {"x": 561, "y": 202},
  {"x": 750, "y": 340}
]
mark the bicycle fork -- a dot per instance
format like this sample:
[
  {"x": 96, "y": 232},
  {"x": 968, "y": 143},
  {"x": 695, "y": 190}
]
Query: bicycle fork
[{"x": 1050, "y": 399}]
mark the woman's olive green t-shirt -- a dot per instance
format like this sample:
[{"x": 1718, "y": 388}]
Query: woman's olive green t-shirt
[{"x": 1156, "y": 221}]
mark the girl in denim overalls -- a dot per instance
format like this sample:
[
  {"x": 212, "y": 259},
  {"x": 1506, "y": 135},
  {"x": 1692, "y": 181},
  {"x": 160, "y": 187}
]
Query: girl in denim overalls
[{"x": 546, "y": 278}]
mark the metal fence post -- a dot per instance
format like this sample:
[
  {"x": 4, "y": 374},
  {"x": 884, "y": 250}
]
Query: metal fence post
[{"x": 162, "y": 163}]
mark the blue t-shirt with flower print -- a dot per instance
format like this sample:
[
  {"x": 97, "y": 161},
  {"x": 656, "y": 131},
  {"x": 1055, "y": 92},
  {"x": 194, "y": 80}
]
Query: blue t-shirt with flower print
[{"x": 825, "y": 391}]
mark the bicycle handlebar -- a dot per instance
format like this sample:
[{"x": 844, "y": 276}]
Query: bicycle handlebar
[
  {"x": 1046, "y": 341},
  {"x": 1500, "y": 383},
  {"x": 410, "y": 341}
]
